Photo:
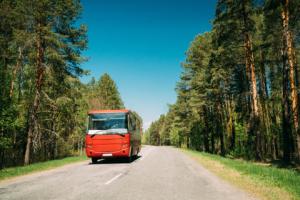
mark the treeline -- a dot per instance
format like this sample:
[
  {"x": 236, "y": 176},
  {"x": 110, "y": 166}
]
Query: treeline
[
  {"x": 239, "y": 90},
  {"x": 104, "y": 95},
  {"x": 43, "y": 104}
]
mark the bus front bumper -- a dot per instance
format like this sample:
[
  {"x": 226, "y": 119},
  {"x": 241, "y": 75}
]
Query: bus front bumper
[{"x": 91, "y": 153}]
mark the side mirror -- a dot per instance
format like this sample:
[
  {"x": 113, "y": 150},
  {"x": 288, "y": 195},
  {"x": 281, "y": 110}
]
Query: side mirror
[{"x": 86, "y": 125}]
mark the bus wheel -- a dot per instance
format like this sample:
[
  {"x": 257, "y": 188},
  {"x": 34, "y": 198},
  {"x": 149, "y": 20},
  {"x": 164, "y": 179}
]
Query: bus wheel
[
  {"x": 129, "y": 158},
  {"x": 94, "y": 160}
]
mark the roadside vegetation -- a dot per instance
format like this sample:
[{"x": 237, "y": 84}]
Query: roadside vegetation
[
  {"x": 263, "y": 180},
  {"x": 36, "y": 167},
  {"x": 239, "y": 88},
  {"x": 43, "y": 103}
]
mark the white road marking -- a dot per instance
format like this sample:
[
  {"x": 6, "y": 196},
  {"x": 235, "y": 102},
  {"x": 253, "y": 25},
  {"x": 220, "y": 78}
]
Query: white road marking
[{"x": 113, "y": 179}]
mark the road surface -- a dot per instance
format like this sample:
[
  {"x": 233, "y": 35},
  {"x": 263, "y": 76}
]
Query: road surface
[{"x": 159, "y": 173}]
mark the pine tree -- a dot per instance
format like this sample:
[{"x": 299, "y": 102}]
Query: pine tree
[
  {"x": 108, "y": 94},
  {"x": 56, "y": 46},
  {"x": 282, "y": 16}
]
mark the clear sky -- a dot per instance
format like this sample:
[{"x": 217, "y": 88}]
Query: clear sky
[{"x": 141, "y": 44}]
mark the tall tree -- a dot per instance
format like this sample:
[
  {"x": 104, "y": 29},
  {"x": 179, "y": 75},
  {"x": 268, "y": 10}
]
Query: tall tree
[
  {"x": 289, "y": 51},
  {"x": 56, "y": 46},
  {"x": 108, "y": 94},
  {"x": 283, "y": 15},
  {"x": 234, "y": 30}
]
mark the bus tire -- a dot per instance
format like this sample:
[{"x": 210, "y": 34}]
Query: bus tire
[
  {"x": 129, "y": 158},
  {"x": 94, "y": 160}
]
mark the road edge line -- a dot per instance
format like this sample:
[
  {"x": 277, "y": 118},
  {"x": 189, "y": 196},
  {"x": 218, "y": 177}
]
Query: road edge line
[{"x": 113, "y": 179}]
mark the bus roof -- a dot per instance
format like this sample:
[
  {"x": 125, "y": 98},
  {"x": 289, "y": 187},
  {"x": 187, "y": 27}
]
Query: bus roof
[{"x": 108, "y": 111}]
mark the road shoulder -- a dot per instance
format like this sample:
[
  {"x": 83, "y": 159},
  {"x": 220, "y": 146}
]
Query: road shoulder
[
  {"x": 245, "y": 182},
  {"x": 20, "y": 176}
]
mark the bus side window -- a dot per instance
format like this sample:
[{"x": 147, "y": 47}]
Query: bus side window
[
  {"x": 132, "y": 125},
  {"x": 129, "y": 123}
]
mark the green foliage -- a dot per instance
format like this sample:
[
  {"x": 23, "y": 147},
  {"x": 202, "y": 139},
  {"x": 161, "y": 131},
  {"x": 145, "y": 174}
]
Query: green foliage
[
  {"x": 146, "y": 138},
  {"x": 214, "y": 111},
  {"x": 5, "y": 143},
  {"x": 174, "y": 137},
  {"x": 241, "y": 136},
  {"x": 104, "y": 94},
  {"x": 54, "y": 105}
]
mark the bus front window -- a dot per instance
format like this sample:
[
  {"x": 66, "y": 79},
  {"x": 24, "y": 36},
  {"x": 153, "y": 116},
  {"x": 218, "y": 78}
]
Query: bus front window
[{"x": 106, "y": 121}]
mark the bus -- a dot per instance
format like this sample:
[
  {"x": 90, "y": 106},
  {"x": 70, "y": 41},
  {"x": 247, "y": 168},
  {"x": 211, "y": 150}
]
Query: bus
[{"x": 113, "y": 133}]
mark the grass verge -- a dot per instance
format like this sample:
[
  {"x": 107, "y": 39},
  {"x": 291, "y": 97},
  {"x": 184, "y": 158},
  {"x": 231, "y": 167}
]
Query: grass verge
[
  {"x": 263, "y": 181},
  {"x": 36, "y": 167}
]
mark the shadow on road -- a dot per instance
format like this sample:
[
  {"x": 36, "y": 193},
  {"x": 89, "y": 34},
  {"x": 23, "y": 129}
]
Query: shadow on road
[{"x": 115, "y": 160}]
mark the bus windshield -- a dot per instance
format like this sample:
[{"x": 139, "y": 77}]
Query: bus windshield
[{"x": 107, "y": 121}]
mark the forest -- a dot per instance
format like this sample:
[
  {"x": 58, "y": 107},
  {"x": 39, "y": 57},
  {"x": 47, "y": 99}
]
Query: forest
[
  {"x": 238, "y": 94},
  {"x": 43, "y": 103}
]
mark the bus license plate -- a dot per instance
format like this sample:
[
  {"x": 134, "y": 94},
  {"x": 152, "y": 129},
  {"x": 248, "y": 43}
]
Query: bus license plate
[{"x": 106, "y": 154}]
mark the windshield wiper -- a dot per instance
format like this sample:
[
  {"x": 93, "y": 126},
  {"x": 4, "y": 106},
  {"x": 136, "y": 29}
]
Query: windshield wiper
[
  {"x": 93, "y": 135},
  {"x": 123, "y": 135},
  {"x": 102, "y": 132}
]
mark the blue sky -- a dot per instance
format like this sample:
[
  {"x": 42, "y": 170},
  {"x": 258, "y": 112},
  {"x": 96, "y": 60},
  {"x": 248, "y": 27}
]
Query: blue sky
[{"x": 141, "y": 44}]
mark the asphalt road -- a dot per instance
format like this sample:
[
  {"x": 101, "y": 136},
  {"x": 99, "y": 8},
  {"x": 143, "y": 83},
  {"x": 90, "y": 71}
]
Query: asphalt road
[{"x": 159, "y": 173}]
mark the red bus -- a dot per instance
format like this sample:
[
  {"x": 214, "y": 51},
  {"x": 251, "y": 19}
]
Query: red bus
[{"x": 113, "y": 133}]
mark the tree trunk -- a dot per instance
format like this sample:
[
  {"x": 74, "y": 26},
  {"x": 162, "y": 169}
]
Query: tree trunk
[
  {"x": 206, "y": 131},
  {"x": 212, "y": 143},
  {"x": 3, "y": 77},
  {"x": 265, "y": 140},
  {"x": 14, "y": 73},
  {"x": 36, "y": 101},
  {"x": 251, "y": 67},
  {"x": 219, "y": 127},
  {"x": 263, "y": 81},
  {"x": 253, "y": 124},
  {"x": 232, "y": 139},
  {"x": 286, "y": 126},
  {"x": 289, "y": 52}
]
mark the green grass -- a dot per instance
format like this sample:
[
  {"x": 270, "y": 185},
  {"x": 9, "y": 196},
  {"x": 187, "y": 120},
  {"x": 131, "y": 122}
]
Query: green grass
[
  {"x": 23, "y": 170},
  {"x": 261, "y": 175}
]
